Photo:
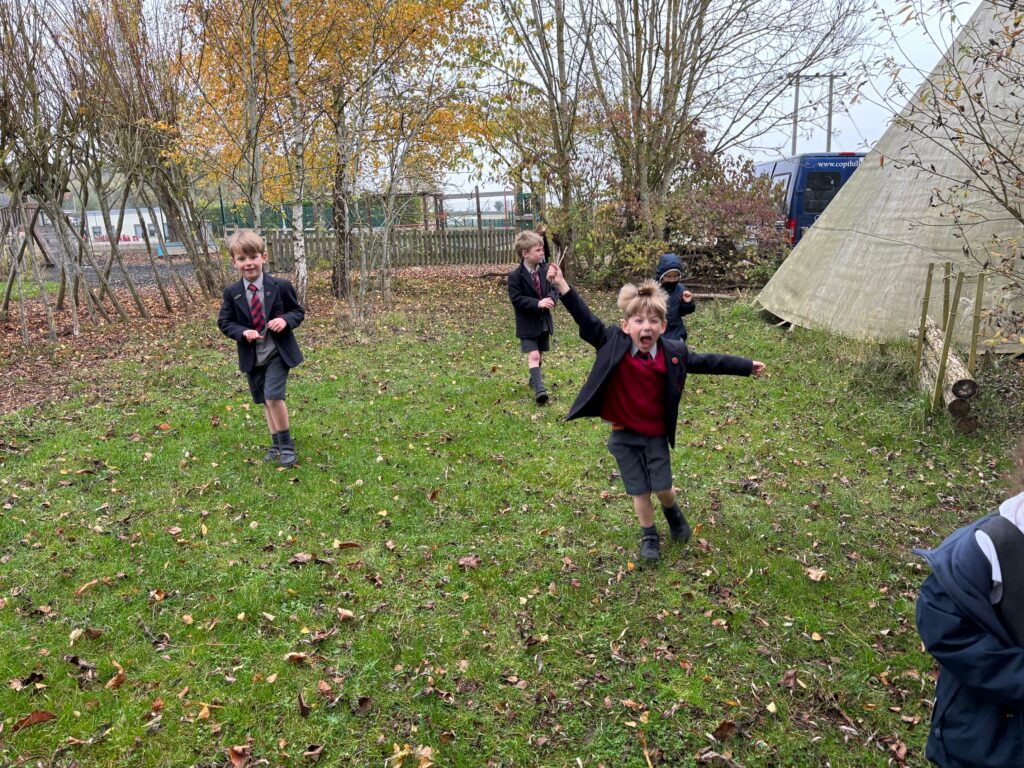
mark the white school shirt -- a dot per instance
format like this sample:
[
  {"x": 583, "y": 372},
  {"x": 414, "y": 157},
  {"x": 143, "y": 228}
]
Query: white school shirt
[{"x": 1013, "y": 510}]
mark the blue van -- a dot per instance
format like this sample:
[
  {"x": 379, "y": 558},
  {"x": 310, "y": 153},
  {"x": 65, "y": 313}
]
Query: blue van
[{"x": 809, "y": 182}]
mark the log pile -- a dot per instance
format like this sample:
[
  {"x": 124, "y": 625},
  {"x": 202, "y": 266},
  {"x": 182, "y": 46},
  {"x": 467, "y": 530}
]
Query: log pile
[{"x": 958, "y": 386}]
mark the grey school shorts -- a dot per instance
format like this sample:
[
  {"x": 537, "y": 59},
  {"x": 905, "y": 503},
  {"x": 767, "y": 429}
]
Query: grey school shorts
[
  {"x": 644, "y": 461},
  {"x": 536, "y": 344},
  {"x": 267, "y": 382}
]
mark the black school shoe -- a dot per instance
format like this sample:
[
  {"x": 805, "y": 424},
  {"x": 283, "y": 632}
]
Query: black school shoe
[
  {"x": 650, "y": 548},
  {"x": 287, "y": 456}
]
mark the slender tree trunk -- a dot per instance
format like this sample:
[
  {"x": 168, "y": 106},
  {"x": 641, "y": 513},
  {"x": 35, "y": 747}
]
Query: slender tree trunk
[
  {"x": 62, "y": 228},
  {"x": 152, "y": 262},
  {"x": 180, "y": 285},
  {"x": 298, "y": 142},
  {"x": 13, "y": 276},
  {"x": 341, "y": 265},
  {"x": 114, "y": 239},
  {"x": 252, "y": 119},
  {"x": 40, "y": 280}
]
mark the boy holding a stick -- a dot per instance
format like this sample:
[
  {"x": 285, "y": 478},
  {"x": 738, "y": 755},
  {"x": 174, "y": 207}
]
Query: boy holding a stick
[{"x": 635, "y": 385}]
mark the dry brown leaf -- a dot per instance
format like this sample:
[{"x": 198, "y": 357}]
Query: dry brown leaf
[
  {"x": 117, "y": 680},
  {"x": 469, "y": 561},
  {"x": 815, "y": 574},
  {"x": 295, "y": 658},
  {"x": 33, "y": 718},
  {"x": 313, "y": 752},
  {"x": 344, "y": 614},
  {"x": 81, "y": 589},
  {"x": 725, "y": 730},
  {"x": 239, "y": 755}
]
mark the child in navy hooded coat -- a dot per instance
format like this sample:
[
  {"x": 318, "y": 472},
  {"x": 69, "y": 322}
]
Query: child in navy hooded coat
[
  {"x": 680, "y": 301},
  {"x": 970, "y": 614}
]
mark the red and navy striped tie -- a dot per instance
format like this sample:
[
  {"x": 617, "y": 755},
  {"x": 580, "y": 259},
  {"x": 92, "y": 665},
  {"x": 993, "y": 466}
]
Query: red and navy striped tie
[{"x": 256, "y": 309}]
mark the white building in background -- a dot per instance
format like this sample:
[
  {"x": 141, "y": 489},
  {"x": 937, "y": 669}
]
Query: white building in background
[{"x": 131, "y": 228}]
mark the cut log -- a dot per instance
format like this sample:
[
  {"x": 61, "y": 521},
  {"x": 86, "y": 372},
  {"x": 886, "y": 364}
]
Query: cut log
[
  {"x": 960, "y": 382},
  {"x": 957, "y": 407},
  {"x": 966, "y": 424}
]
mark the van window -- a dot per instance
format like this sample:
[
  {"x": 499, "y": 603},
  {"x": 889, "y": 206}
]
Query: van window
[
  {"x": 821, "y": 188},
  {"x": 782, "y": 181}
]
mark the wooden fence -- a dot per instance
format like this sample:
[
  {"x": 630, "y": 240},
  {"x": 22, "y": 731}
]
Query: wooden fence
[{"x": 408, "y": 247}]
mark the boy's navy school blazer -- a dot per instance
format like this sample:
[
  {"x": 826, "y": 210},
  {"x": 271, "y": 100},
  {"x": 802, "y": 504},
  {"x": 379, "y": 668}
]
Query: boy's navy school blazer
[
  {"x": 234, "y": 320},
  {"x": 531, "y": 320},
  {"x": 613, "y": 343}
]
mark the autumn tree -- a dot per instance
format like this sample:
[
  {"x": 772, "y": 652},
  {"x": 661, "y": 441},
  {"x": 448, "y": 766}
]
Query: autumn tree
[
  {"x": 541, "y": 66},
  {"x": 663, "y": 68}
]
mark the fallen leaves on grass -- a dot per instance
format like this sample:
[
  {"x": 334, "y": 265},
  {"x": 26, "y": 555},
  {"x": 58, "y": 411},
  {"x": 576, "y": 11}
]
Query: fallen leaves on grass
[
  {"x": 117, "y": 680},
  {"x": 33, "y": 718},
  {"x": 725, "y": 730},
  {"x": 708, "y": 756},
  {"x": 815, "y": 574},
  {"x": 313, "y": 752},
  {"x": 418, "y": 757},
  {"x": 239, "y": 755},
  {"x": 469, "y": 561}
]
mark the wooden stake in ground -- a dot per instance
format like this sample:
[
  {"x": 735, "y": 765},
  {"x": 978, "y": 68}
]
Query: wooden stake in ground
[
  {"x": 924, "y": 318},
  {"x": 944, "y": 357}
]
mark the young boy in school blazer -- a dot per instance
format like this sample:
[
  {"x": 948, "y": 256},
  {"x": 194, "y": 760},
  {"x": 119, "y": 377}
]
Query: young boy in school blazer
[{"x": 260, "y": 312}]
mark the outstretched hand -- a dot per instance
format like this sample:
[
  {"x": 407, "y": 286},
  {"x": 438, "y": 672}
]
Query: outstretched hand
[
  {"x": 557, "y": 279},
  {"x": 687, "y": 296},
  {"x": 758, "y": 369}
]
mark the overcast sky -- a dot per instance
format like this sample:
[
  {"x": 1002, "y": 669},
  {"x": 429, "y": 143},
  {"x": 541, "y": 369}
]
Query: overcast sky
[{"x": 859, "y": 123}]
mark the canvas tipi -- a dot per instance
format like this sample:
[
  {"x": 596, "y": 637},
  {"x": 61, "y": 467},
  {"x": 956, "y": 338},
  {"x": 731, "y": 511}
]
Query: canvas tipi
[{"x": 861, "y": 269}]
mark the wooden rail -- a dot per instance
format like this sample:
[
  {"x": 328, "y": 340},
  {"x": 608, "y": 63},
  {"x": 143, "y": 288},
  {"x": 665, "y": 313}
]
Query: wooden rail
[{"x": 407, "y": 247}]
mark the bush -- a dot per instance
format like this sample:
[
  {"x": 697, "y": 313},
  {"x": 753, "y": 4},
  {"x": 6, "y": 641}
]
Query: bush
[{"x": 608, "y": 257}]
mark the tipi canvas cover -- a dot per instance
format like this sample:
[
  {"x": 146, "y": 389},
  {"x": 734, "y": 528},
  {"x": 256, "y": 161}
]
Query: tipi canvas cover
[{"x": 861, "y": 269}]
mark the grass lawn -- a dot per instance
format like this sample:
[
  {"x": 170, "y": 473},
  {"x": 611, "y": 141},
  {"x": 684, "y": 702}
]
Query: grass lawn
[{"x": 451, "y": 568}]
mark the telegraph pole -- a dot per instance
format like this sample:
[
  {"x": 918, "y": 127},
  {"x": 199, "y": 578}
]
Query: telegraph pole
[
  {"x": 796, "y": 108},
  {"x": 796, "y": 105},
  {"x": 831, "y": 90}
]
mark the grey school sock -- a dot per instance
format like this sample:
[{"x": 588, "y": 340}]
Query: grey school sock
[
  {"x": 537, "y": 382},
  {"x": 288, "y": 456},
  {"x": 673, "y": 515},
  {"x": 275, "y": 447}
]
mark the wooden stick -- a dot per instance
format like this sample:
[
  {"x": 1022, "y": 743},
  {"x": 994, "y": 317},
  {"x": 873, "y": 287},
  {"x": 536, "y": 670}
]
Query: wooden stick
[
  {"x": 947, "y": 269},
  {"x": 941, "y": 375},
  {"x": 979, "y": 297},
  {"x": 924, "y": 318}
]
